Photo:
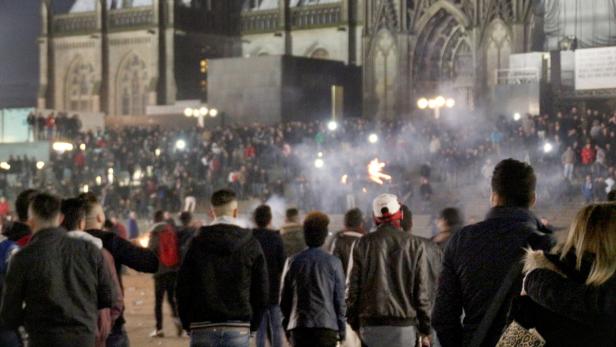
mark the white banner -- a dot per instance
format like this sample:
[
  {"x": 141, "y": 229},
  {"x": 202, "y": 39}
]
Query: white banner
[{"x": 595, "y": 68}]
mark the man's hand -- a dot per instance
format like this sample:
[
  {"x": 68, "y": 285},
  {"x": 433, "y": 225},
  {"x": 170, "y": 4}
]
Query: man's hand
[{"x": 426, "y": 341}]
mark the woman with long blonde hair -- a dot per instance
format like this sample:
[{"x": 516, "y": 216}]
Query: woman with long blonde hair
[{"x": 571, "y": 292}]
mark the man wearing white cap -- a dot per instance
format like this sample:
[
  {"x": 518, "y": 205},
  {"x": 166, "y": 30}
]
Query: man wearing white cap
[{"x": 388, "y": 294}]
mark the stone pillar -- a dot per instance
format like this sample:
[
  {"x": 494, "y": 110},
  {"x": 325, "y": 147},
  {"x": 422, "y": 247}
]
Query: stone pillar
[
  {"x": 45, "y": 42},
  {"x": 284, "y": 9},
  {"x": 167, "y": 84}
]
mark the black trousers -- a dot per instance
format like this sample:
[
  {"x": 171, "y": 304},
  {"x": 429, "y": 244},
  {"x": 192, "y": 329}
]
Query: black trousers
[
  {"x": 314, "y": 337},
  {"x": 164, "y": 283}
]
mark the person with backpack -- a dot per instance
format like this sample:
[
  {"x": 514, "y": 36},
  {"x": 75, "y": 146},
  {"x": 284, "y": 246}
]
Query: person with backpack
[{"x": 165, "y": 243}]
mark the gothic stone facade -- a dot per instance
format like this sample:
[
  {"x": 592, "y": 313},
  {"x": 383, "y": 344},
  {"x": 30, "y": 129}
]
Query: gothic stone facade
[{"x": 119, "y": 59}]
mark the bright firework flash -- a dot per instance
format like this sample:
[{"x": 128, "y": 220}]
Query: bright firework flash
[
  {"x": 375, "y": 172},
  {"x": 144, "y": 240}
]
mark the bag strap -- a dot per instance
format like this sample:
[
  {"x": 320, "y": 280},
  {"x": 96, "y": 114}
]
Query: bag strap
[
  {"x": 496, "y": 305},
  {"x": 503, "y": 292}
]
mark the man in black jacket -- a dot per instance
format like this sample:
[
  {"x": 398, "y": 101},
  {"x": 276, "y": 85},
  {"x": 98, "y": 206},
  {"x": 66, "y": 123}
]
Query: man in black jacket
[
  {"x": 55, "y": 285},
  {"x": 342, "y": 243},
  {"x": 271, "y": 243},
  {"x": 388, "y": 288},
  {"x": 123, "y": 252},
  {"x": 222, "y": 286},
  {"x": 479, "y": 257}
]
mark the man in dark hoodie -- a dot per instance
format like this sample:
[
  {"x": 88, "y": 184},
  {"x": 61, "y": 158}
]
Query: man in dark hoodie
[
  {"x": 123, "y": 252},
  {"x": 222, "y": 287},
  {"x": 17, "y": 235}
]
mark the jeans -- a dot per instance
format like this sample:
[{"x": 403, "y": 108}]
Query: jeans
[
  {"x": 164, "y": 283},
  {"x": 271, "y": 327},
  {"x": 220, "y": 337},
  {"x": 9, "y": 338},
  {"x": 118, "y": 338},
  {"x": 568, "y": 171},
  {"x": 314, "y": 337},
  {"x": 390, "y": 336}
]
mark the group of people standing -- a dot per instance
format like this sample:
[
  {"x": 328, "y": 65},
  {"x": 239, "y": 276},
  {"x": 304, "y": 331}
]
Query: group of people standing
[{"x": 383, "y": 287}]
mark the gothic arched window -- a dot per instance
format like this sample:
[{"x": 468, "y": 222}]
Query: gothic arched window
[
  {"x": 132, "y": 86},
  {"x": 79, "y": 86}
]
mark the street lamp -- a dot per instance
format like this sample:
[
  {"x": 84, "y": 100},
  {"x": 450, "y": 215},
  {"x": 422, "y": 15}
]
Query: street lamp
[
  {"x": 332, "y": 125},
  {"x": 436, "y": 104},
  {"x": 180, "y": 144},
  {"x": 517, "y": 116},
  {"x": 373, "y": 138},
  {"x": 213, "y": 113}
]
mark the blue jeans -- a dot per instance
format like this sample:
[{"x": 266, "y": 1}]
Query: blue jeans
[
  {"x": 9, "y": 338},
  {"x": 390, "y": 336},
  {"x": 118, "y": 338},
  {"x": 220, "y": 337},
  {"x": 271, "y": 327}
]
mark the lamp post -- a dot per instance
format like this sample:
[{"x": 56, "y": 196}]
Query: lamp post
[
  {"x": 200, "y": 113},
  {"x": 436, "y": 104}
]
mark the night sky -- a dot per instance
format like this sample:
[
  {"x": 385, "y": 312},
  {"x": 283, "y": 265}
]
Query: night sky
[{"x": 19, "y": 29}]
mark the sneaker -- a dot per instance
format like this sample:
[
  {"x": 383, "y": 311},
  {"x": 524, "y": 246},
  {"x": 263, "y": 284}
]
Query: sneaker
[
  {"x": 157, "y": 333},
  {"x": 178, "y": 326}
]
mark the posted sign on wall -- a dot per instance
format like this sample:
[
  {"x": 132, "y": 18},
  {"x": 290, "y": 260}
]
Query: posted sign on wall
[{"x": 595, "y": 68}]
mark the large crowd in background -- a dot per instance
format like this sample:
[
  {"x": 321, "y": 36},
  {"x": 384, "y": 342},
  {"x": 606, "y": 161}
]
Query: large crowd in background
[
  {"x": 142, "y": 169},
  {"x": 370, "y": 284}
]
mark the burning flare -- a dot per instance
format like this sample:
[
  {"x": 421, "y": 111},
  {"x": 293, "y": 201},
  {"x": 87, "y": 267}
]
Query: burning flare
[{"x": 375, "y": 172}]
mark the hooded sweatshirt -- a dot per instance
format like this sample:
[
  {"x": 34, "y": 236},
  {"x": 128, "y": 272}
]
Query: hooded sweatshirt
[{"x": 223, "y": 278}]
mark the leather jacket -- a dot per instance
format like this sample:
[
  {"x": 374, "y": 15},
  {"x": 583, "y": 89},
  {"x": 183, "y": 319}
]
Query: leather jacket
[
  {"x": 389, "y": 281},
  {"x": 342, "y": 245}
]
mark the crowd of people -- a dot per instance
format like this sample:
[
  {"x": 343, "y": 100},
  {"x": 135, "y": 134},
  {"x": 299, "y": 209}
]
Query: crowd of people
[
  {"x": 144, "y": 169},
  {"x": 53, "y": 126},
  {"x": 503, "y": 280}
]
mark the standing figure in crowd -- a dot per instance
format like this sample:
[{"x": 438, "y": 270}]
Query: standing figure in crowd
[
  {"x": 587, "y": 189},
  {"x": 74, "y": 221},
  {"x": 312, "y": 295},
  {"x": 222, "y": 288},
  {"x": 271, "y": 243},
  {"x": 587, "y": 260},
  {"x": 17, "y": 235},
  {"x": 568, "y": 160},
  {"x": 165, "y": 244},
  {"x": 434, "y": 253},
  {"x": 342, "y": 247},
  {"x": 479, "y": 257},
  {"x": 123, "y": 252},
  {"x": 388, "y": 290},
  {"x": 292, "y": 233},
  {"x": 343, "y": 241},
  {"x": 186, "y": 232},
  {"x": 447, "y": 224},
  {"x": 55, "y": 285}
]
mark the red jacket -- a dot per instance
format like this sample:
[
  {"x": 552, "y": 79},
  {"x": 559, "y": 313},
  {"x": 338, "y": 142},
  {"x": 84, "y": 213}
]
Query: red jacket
[{"x": 588, "y": 155}]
